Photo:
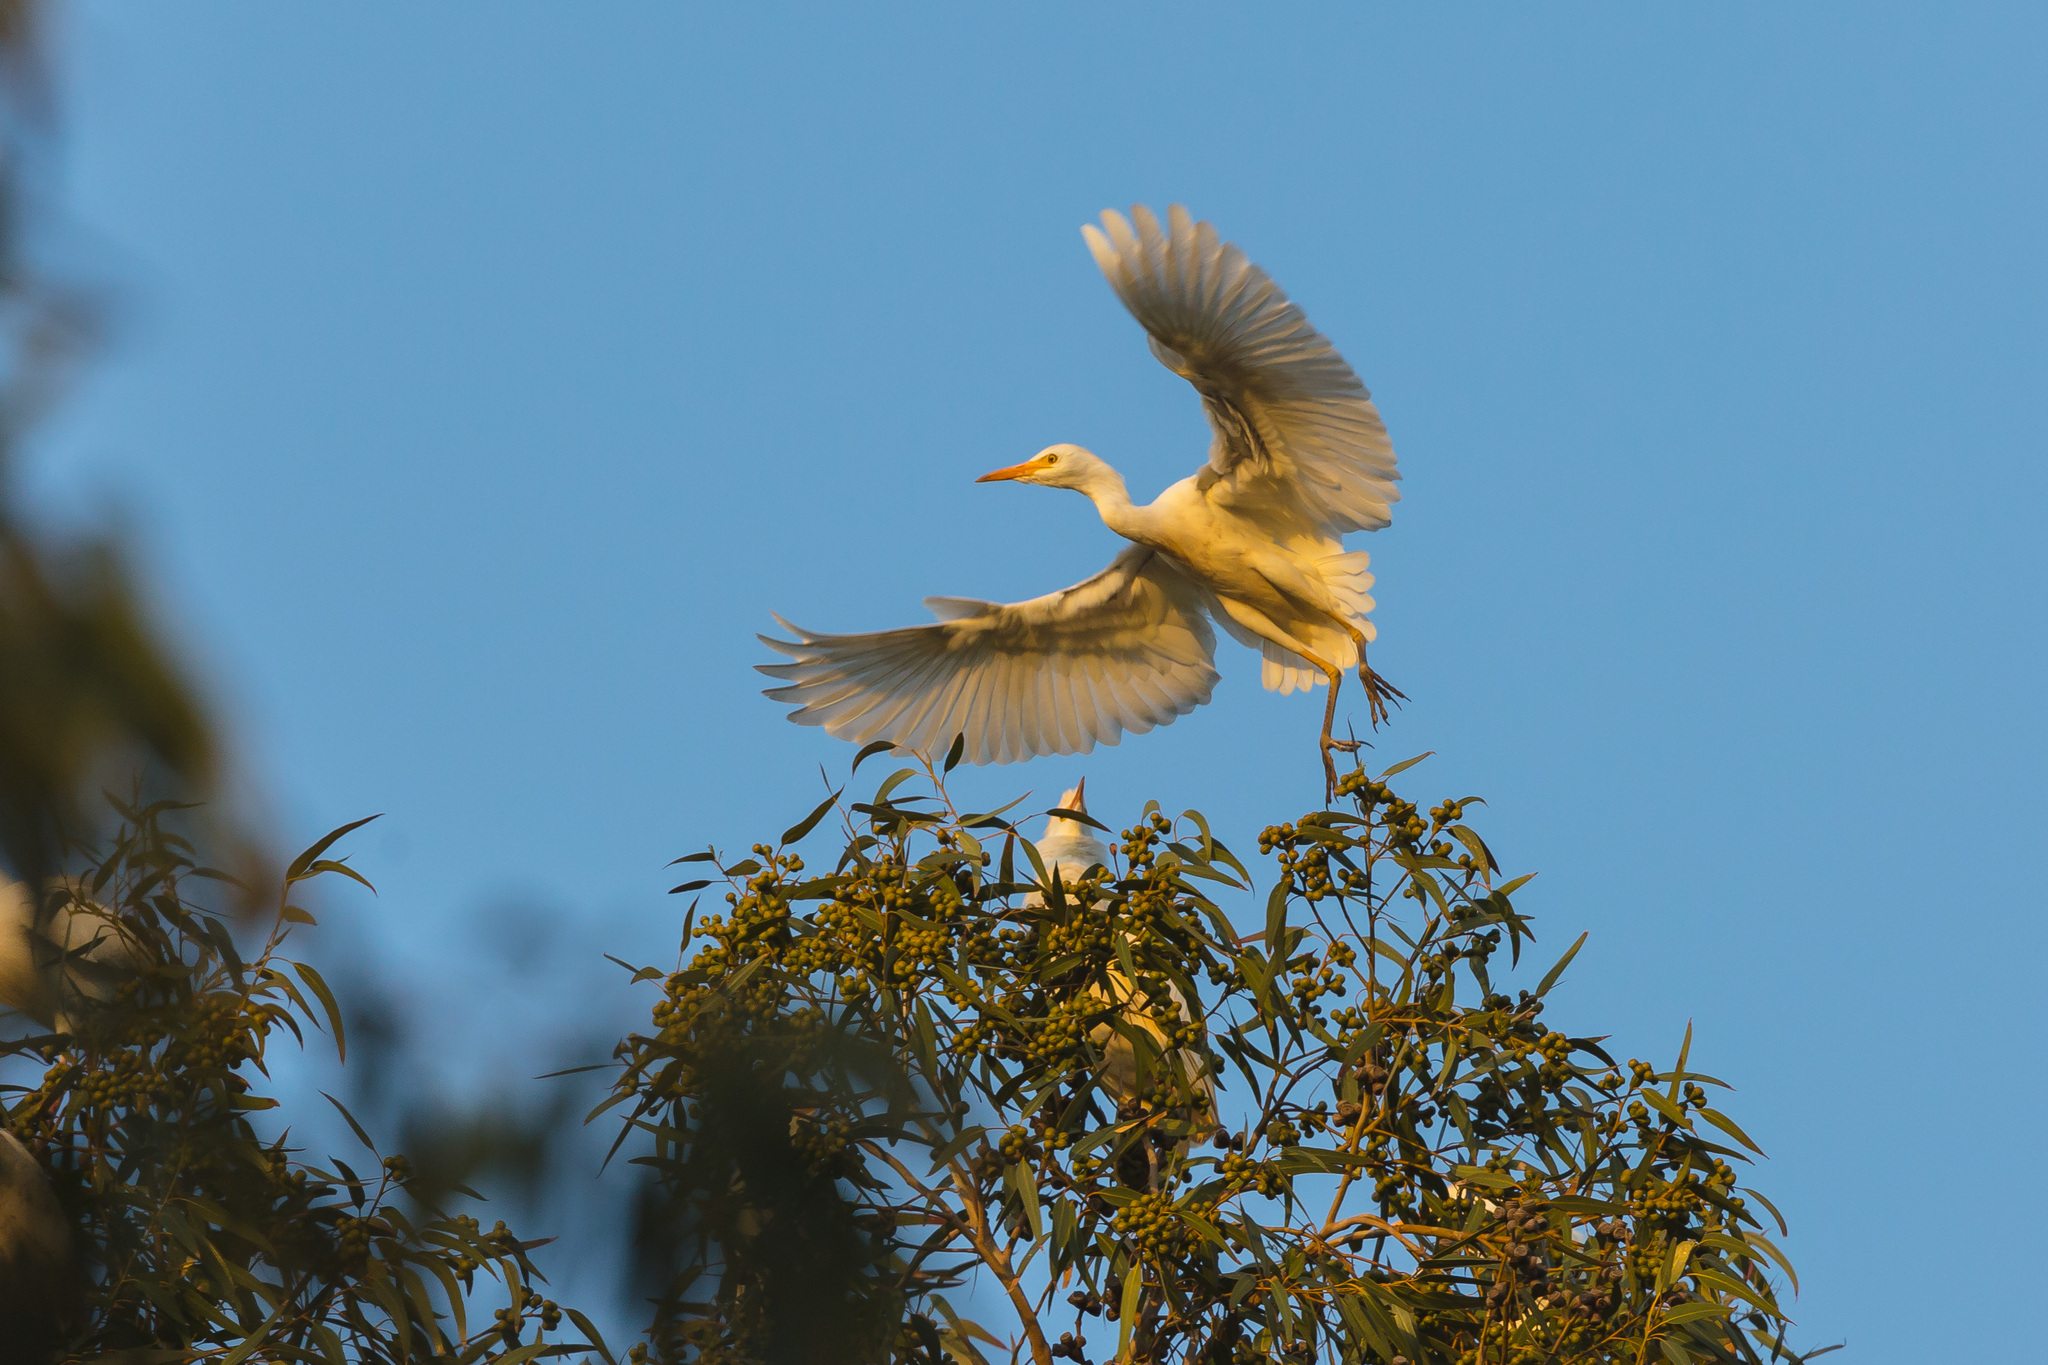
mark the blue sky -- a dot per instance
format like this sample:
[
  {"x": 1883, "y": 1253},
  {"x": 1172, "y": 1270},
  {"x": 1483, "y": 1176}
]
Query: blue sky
[{"x": 485, "y": 375}]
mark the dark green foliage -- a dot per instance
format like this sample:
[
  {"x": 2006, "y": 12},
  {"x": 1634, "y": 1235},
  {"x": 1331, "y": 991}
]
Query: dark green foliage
[
  {"x": 1410, "y": 1165},
  {"x": 194, "y": 1233}
]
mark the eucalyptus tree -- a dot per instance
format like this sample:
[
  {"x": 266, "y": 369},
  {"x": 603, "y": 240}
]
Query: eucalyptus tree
[{"x": 876, "y": 1084}]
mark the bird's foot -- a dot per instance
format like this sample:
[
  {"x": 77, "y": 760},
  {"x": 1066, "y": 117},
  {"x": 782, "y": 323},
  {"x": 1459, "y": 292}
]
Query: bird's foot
[
  {"x": 1330, "y": 746},
  {"x": 1378, "y": 693}
]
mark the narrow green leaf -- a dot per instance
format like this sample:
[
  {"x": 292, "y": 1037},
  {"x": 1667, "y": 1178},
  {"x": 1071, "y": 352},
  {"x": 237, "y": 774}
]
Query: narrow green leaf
[
  {"x": 365, "y": 1137},
  {"x": 1783, "y": 1230},
  {"x": 956, "y": 1146},
  {"x": 1026, "y": 1185},
  {"x": 880, "y": 746},
  {"x": 953, "y": 754},
  {"x": 697, "y": 885},
  {"x": 895, "y": 780},
  {"x": 591, "y": 1336},
  {"x": 318, "y": 985},
  {"x": 331, "y": 865},
  {"x": 1276, "y": 916},
  {"x": 1727, "y": 1125},
  {"x": 809, "y": 822},
  {"x": 1406, "y": 764},
  {"x": 1699, "y": 1308},
  {"x": 255, "y": 1338},
  {"x": 297, "y": 871},
  {"x": 1134, "y": 1285},
  {"x": 1550, "y": 977},
  {"x": 1078, "y": 816},
  {"x": 1684, "y": 1051},
  {"x": 1665, "y": 1107}
]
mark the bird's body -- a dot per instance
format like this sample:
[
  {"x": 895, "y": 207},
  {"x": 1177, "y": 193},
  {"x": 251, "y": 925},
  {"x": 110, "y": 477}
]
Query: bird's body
[
  {"x": 58, "y": 971},
  {"x": 1254, "y": 541}
]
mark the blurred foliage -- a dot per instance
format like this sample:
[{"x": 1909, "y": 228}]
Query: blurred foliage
[
  {"x": 1415, "y": 1169},
  {"x": 197, "y": 1237},
  {"x": 87, "y": 690}
]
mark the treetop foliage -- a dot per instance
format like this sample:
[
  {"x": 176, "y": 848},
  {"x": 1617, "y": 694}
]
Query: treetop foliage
[{"x": 876, "y": 1084}]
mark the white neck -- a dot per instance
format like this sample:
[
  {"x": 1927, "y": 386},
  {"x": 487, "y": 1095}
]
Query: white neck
[{"x": 1106, "y": 489}]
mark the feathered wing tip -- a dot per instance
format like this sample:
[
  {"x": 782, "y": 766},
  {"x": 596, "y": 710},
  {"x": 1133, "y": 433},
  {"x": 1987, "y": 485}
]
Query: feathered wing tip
[
  {"x": 1126, "y": 650},
  {"x": 1221, "y": 323}
]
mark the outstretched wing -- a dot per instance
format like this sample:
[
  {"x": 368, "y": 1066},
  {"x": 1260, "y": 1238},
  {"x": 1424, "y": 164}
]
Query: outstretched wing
[
  {"x": 1297, "y": 438},
  {"x": 1128, "y": 649}
]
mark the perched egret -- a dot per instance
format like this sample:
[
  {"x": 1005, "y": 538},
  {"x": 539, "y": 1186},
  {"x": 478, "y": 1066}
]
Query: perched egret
[
  {"x": 1068, "y": 850},
  {"x": 1299, "y": 457}
]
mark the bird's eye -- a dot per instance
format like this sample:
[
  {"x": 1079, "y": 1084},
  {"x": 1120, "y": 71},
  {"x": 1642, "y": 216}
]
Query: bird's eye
[{"x": 1052, "y": 459}]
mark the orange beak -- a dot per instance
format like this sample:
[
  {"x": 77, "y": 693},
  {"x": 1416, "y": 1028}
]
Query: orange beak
[
  {"x": 1015, "y": 471},
  {"x": 1080, "y": 796}
]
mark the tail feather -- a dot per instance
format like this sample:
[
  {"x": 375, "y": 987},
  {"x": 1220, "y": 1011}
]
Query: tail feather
[
  {"x": 1284, "y": 671},
  {"x": 1350, "y": 582}
]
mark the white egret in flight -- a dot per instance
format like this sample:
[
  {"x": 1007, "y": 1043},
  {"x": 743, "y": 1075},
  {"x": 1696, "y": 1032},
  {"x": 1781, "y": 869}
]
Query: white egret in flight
[{"x": 1298, "y": 458}]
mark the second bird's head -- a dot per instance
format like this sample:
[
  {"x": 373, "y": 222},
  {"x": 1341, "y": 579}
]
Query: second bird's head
[{"x": 1060, "y": 466}]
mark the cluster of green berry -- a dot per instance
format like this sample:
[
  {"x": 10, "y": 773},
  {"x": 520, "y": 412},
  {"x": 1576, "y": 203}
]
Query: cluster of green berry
[{"x": 1149, "y": 1223}]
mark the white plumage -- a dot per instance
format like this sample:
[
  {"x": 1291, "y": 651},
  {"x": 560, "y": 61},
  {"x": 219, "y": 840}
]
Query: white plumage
[
  {"x": 56, "y": 971},
  {"x": 1299, "y": 457}
]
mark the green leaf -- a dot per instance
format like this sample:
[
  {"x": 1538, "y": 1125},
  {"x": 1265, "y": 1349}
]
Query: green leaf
[
  {"x": 1134, "y": 1285},
  {"x": 1782, "y": 1229},
  {"x": 956, "y": 1146},
  {"x": 953, "y": 754},
  {"x": 1276, "y": 916},
  {"x": 1550, "y": 977},
  {"x": 809, "y": 822},
  {"x": 1728, "y": 1284},
  {"x": 1698, "y": 1308},
  {"x": 1770, "y": 1250},
  {"x": 331, "y": 865},
  {"x": 255, "y": 1338},
  {"x": 1684, "y": 1051},
  {"x": 1406, "y": 764},
  {"x": 1665, "y": 1107},
  {"x": 1476, "y": 846},
  {"x": 697, "y": 885},
  {"x": 365, "y": 1137},
  {"x": 1021, "y": 1180},
  {"x": 895, "y": 780},
  {"x": 1727, "y": 1125},
  {"x": 297, "y": 871},
  {"x": 880, "y": 746},
  {"x": 318, "y": 985},
  {"x": 591, "y": 1336}
]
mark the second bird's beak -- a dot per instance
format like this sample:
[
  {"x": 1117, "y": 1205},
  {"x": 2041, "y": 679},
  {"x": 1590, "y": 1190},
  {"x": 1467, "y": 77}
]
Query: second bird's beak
[{"x": 1015, "y": 471}]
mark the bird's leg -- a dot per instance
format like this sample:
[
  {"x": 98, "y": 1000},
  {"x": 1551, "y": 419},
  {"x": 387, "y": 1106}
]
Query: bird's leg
[
  {"x": 1378, "y": 691},
  {"x": 1336, "y": 677}
]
